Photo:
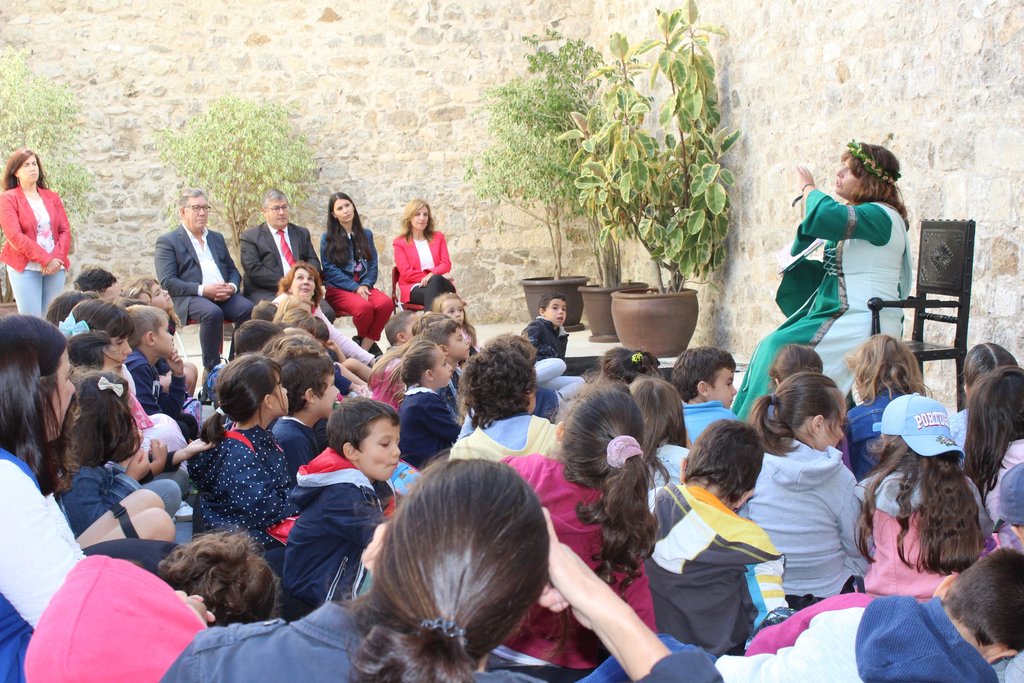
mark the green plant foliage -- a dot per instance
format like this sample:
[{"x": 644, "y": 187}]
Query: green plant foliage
[
  {"x": 238, "y": 150},
  {"x": 664, "y": 185},
  {"x": 43, "y": 116},
  {"x": 527, "y": 165}
]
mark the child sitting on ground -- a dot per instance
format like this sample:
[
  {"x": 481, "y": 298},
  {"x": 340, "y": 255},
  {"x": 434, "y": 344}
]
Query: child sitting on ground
[
  {"x": 995, "y": 438},
  {"x": 352, "y": 373},
  {"x": 625, "y": 365},
  {"x": 229, "y": 572},
  {"x": 343, "y": 494},
  {"x": 551, "y": 341},
  {"x": 151, "y": 342},
  {"x": 454, "y": 306},
  {"x": 714, "y": 575},
  {"x": 703, "y": 376},
  {"x": 596, "y": 494},
  {"x": 243, "y": 480},
  {"x": 399, "y": 328},
  {"x": 307, "y": 374},
  {"x": 883, "y": 368},
  {"x": 100, "y": 281},
  {"x": 428, "y": 427},
  {"x": 665, "y": 439},
  {"x": 110, "y": 463},
  {"x": 447, "y": 335},
  {"x": 980, "y": 360},
  {"x": 498, "y": 389},
  {"x": 152, "y": 294},
  {"x": 804, "y": 496},
  {"x": 921, "y": 519},
  {"x": 791, "y": 359},
  {"x": 252, "y": 335}
]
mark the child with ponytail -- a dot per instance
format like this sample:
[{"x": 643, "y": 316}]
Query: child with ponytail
[
  {"x": 995, "y": 439},
  {"x": 922, "y": 519},
  {"x": 596, "y": 493},
  {"x": 883, "y": 369},
  {"x": 243, "y": 480},
  {"x": 804, "y": 497}
]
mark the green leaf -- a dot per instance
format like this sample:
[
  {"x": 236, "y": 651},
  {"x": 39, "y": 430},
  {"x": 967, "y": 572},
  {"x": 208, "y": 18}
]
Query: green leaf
[
  {"x": 716, "y": 198},
  {"x": 692, "y": 13},
  {"x": 667, "y": 112},
  {"x": 619, "y": 46},
  {"x": 570, "y": 135},
  {"x": 596, "y": 169},
  {"x": 729, "y": 141},
  {"x": 692, "y": 104},
  {"x": 695, "y": 223},
  {"x": 709, "y": 172},
  {"x": 726, "y": 176}
]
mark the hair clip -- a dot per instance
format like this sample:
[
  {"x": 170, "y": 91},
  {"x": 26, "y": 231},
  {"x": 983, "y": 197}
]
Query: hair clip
[
  {"x": 637, "y": 358},
  {"x": 622, "y": 448},
  {"x": 70, "y": 327},
  {"x": 446, "y": 627},
  {"x": 105, "y": 384}
]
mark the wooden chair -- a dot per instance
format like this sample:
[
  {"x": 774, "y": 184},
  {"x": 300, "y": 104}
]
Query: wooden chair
[
  {"x": 395, "y": 298},
  {"x": 945, "y": 266}
]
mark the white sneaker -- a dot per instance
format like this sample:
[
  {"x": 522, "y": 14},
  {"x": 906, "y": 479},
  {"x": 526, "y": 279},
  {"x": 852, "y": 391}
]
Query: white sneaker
[{"x": 184, "y": 513}]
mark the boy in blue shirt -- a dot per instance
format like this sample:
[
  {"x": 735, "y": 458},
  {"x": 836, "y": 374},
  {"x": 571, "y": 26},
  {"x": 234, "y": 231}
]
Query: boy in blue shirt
[
  {"x": 703, "y": 376},
  {"x": 342, "y": 495}
]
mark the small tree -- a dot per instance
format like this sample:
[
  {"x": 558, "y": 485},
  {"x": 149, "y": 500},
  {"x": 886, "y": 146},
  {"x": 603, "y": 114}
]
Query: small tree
[
  {"x": 43, "y": 116},
  {"x": 238, "y": 150},
  {"x": 526, "y": 165},
  {"x": 665, "y": 189}
]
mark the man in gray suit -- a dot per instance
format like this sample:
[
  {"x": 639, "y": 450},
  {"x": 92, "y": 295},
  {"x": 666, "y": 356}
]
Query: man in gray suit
[
  {"x": 194, "y": 266},
  {"x": 270, "y": 249}
]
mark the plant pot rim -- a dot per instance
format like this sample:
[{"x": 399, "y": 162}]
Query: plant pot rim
[
  {"x": 564, "y": 278},
  {"x": 621, "y": 287},
  {"x": 651, "y": 293}
]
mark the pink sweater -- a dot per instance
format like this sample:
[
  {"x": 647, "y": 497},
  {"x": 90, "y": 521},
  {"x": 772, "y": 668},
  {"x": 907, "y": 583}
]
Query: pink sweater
[{"x": 540, "y": 631}]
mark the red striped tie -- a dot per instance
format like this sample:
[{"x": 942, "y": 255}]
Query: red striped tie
[{"x": 285, "y": 249}]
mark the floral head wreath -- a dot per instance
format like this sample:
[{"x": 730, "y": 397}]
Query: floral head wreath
[{"x": 857, "y": 150}]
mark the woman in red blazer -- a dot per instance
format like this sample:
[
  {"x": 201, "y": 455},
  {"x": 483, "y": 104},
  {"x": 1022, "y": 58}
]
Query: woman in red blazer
[
  {"x": 36, "y": 231},
  {"x": 421, "y": 256}
]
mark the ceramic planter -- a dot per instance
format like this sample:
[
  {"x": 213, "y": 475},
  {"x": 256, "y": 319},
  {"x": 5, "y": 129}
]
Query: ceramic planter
[
  {"x": 660, "y": 323},
  {"x": 597, "y": 301}
]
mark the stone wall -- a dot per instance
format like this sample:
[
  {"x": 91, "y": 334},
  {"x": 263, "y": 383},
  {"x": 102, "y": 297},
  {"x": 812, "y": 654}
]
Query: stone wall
[
  {"x": 941, "y": 84},
  {"x": 387, "y": 93}
]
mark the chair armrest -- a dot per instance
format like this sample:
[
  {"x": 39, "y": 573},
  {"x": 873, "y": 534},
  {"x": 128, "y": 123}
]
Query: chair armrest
[{"x": 876, "y": 305}]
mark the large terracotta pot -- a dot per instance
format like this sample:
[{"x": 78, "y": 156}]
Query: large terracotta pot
[
  {"x": 535, "y": 287},
  {"x": 597, "y": 301},
  {"x": 660, "y": 323}
]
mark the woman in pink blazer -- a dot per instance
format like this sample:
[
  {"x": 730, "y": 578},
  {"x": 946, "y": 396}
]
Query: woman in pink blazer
[
  {"x": 421, "y": 256},
  {"x": 36, "y": 231}
]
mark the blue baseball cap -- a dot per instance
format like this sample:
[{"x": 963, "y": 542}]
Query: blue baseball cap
[
  {"x": 922, "y": 422},
  {"x": 1011, "y": 496}
]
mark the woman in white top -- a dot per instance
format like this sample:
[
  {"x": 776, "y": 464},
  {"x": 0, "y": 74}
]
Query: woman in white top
[
  {"x": 421, "y": 257},
  {"x": 37, "y": 235}
]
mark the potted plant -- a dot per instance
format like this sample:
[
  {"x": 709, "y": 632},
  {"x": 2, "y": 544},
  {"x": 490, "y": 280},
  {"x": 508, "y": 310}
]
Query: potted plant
[
  {"x": 23, "y": 95},
  {"x": 526, "y": 165},
  {"x": 236, "y": 151},
  {"x": 664, "y": 188}
]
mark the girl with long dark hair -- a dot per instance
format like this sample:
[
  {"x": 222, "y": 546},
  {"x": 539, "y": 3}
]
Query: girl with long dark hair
[{"x": 350, "y": 270}]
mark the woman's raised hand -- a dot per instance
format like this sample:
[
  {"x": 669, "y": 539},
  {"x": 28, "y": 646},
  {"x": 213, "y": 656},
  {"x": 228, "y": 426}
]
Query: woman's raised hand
[{"x": 804, "y": 178}]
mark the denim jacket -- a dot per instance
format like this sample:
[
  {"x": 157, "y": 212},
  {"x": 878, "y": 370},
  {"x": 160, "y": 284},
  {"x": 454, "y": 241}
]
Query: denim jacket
[
  {"x": 94, "y": 490},
  {"x": 343, "y": 276},
  {"x": 860, "y": 433}
]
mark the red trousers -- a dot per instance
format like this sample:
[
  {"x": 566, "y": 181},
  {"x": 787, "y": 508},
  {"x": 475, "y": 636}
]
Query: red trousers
[{"x": 369, "y": 315}]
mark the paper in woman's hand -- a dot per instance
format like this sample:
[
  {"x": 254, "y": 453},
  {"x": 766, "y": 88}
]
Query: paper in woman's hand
[{"x": 786, "y": 261}]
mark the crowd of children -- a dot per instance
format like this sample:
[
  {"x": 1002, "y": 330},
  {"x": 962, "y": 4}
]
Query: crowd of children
[{"x": 437, "y": 510}]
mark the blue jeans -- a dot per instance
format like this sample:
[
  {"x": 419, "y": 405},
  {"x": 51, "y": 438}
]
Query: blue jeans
[{"x": 34, "y": 291}]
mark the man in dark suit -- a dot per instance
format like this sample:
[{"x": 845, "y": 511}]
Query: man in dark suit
[
  {"x": 270, "y": 249},
  {"x": 194, "y": 266}
]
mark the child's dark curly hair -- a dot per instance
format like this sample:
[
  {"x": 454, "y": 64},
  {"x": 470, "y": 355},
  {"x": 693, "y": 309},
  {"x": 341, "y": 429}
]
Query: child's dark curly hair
[
  {"x": 499, "y": 381},
  {"x": 228, "y": 570}
]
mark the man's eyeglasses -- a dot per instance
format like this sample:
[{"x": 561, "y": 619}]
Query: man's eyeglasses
[
  {"x": 199, "y": 208},
  {"x": 278, "y": 209}
]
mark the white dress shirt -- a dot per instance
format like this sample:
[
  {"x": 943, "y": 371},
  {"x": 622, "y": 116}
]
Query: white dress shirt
[{"x": 211, "y": 271}]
